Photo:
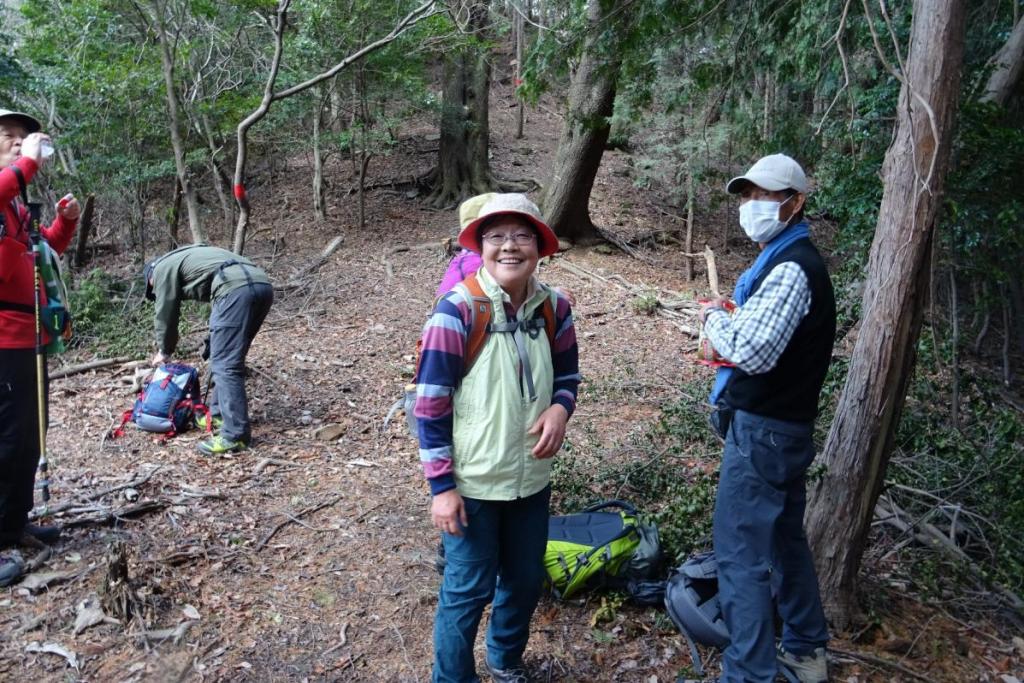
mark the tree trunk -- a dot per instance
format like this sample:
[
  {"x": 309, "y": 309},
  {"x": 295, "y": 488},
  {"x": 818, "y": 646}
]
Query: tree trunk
[
  {"x": 463, "y": 169},
  {"x": 1009, "y": 66},
  {"x": 859, "y": 444},
  {"x": 364, "y": 163},
  {"x": 175, "y": 124},
  {"x": 520, "y": 42},
  {"x": 587, "y": 125},
  {"x": 318, "y": 161},
  {"x": 688, "y": 244},
  {"x": 175, "y": 217},
  {"x": 84, "y": 231},
  {"x": 220, "y": 184}
]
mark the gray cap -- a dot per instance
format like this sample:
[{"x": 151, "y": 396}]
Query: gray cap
[
  {"x": 31, "y": 123},
  {"x": 773, "y": 173}
]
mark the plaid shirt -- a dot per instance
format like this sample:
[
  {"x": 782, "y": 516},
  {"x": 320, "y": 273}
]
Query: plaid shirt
[{"x": 757, "y": 333}]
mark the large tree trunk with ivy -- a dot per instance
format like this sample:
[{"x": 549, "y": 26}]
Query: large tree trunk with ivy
[
  {"x": 859, "y": 444},
  {"x": 463, "y": 169},
  {"x": 566, "y": 199}
]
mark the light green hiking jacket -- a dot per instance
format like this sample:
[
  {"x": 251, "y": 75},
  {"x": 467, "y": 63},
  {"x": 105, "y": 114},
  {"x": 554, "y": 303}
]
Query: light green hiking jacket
[{"x": 492, "y": 412}]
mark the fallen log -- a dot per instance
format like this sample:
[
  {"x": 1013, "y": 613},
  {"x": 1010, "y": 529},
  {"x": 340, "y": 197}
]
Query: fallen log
[
  {"x": 63, "y": 507},
  {"x": 299, "y": 279},
  {"x": 86, "y": 367},
  {"x": 108, "y": 516}
]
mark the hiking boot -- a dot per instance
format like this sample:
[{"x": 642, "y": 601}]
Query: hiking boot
[
  {"x": 11, "y": 569},
  {"x": 45, "y": 533},
  {"x": 812, "y": 668},
  {"x": 216, "y": 445},
  {"x": 217, "y": 421},
  {"x": 516, "y": 674}
]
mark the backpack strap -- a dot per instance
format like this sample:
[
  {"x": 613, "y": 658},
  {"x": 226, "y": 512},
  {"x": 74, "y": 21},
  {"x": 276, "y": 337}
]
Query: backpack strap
[
  {"x": 547, "y": 310},
  {"x": 481, "y": 325},
  {"x": 20, "y": 308},
  {"x": 126, "y": 417},
  {"x": 611, "y": 503},
  {"x": 481, "y": 314}
]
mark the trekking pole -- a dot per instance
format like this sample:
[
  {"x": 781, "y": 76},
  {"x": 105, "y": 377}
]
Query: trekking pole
[{"x": 37, "y": 257}]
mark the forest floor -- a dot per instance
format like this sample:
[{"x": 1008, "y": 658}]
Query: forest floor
[{"x": 310, "y": 556}]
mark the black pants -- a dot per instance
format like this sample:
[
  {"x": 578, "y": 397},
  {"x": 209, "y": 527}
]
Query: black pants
[
  {"x": 19, "y": 439},
  {"x": 234, "y": 322}
]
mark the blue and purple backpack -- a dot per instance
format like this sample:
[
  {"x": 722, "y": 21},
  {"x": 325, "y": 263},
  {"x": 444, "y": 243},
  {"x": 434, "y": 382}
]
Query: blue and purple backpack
[{"x": 168, "y": 403}]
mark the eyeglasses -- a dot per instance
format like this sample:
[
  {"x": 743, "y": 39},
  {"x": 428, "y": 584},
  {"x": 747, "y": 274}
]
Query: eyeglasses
[{"x": 498, "y": 239}]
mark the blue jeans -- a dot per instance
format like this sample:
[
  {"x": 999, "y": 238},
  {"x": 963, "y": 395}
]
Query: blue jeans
[
  {"x": 498, "y": 558},
  {"x": 761, "y": 547}
]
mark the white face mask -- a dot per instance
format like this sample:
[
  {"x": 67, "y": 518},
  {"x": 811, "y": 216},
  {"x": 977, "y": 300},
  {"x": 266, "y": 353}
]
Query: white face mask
[{"x": 760, "y": 219}]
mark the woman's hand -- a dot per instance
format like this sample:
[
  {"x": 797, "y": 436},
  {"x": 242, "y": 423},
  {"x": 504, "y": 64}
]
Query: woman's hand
[
  {"x": 551, "y": 427},
  {"x": 68, "y": 208},
  {"x": 449, "y": 512}
]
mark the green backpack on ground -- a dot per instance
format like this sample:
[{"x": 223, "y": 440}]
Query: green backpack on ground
[{"x": 597, "y": 548}]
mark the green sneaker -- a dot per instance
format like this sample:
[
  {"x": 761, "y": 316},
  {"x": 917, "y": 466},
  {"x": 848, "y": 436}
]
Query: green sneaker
[
  {"x": 217, "y": 444},
  {"x": 217, "y": 420}
]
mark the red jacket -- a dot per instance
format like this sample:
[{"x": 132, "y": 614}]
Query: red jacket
[{"x": 18, "y": 329}]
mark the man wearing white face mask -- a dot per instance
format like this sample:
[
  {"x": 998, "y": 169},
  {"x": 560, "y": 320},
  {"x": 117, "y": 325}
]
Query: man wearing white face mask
[{"x": 780, "y": 340}]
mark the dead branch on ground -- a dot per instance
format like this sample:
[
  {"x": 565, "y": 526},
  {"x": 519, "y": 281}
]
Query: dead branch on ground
[
  {"x": 290, "y": 519},
  {"x": 85, "y": 367},
  {"x": 100, "y": 516},
  {"x": 53, "y": 510},
  {"x": 928, "y": 535},
  {"x": 680, "y": 310},
  {"x": 271, "y": 461},
  {"x": 882, "y": 663},
  {"x": 624, "y": 245},
  {"x": 301, "y": 279},
  {"x": 444, "y": 245}
]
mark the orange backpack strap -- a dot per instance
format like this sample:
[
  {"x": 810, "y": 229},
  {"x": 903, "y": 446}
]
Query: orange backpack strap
[{"x": 481, "y": 312}]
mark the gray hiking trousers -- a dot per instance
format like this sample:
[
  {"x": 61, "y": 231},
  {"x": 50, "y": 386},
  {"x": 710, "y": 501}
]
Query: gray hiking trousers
[{"x": 234, "y": 322}]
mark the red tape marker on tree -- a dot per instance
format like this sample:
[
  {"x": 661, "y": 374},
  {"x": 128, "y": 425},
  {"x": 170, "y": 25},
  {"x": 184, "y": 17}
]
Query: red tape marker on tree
[{"x": 240, "y": 192}]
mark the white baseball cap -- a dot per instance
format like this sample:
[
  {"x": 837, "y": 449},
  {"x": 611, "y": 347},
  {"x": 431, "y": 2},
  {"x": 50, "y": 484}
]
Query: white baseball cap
[{"x": 774, "y": 172}]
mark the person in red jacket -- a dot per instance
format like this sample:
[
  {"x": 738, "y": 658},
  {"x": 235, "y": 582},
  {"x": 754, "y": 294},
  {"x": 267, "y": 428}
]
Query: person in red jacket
[{"x": 21, "y": 153}]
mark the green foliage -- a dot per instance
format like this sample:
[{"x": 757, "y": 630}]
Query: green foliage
[
  {"x": 108, "y": 315},
  {"x": 984, "y": 206},
  {"x": 645, "y": 303},
  {"x": 111, "y": 317},
  {"x": 674, "y": 477},
  {"x": 976, "y": 469}
]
